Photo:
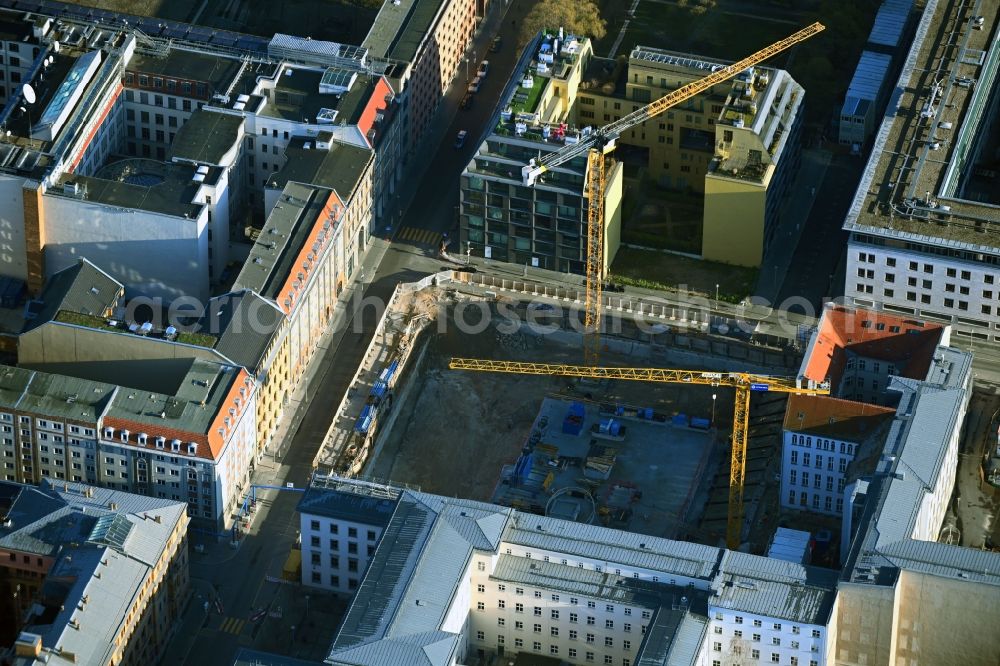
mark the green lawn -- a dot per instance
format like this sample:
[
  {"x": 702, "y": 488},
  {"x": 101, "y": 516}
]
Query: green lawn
[
  {"x": 100, "y": 323},
  {"x": 823, "y": 65},
  {"x": 531, "y": 104},
  {"x": 653, "y": 269}
]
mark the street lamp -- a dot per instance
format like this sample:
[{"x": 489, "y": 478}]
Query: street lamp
[
  {"x": 714, "y": 396},
  {"x": 717, "y": 294},
  {"x": 466, "y": 69}
]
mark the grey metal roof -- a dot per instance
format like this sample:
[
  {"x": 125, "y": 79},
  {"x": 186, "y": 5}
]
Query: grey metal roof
[
  {"x": 918, "y": 438},
  {"x": 889, "y": 22},
  {"x": 608, "y": 545},
  {"x": 776, "y": 588},
  {"x": 673, "y": 637},
  {"x": 245, "y": 324},
  {"x": 431, "y": 648},
  {"x": 973, "y": 565},
  {"x": 339, "y": 168},
  {"x": 53, "y": 395},
  {"x": 573, "y": 580},
  {"x": 389, "y": 571},
  {"x": 688, "y": 639},
  {"x": 398, "y": 610},
  {"x": 951, "y": 368},
  {"x": 869, "y": 76},
  {"x": 348, "y": 506},
  {"x": 90, "y": 531},
  {"x": 82, "y": 287}
]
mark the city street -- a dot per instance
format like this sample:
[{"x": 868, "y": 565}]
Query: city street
[{"x": 230, "y": 585}]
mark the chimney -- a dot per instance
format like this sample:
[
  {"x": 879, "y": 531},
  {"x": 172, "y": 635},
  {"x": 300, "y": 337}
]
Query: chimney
[{"x": 157, "y": 518}]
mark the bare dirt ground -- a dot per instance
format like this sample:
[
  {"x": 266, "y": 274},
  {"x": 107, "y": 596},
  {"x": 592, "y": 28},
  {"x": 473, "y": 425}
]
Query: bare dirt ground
[{"x": 457, "y": 429}]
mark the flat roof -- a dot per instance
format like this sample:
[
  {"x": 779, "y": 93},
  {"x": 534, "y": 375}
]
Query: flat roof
[
  {"x": 297, "y": 97},
  {"x": 173, "y": 196},
  {"x": 776, "y": 588},
  {"x": 889, "y": 22},
  {"x": 213, "y": 68},
  {"x": 914, "y": 154},
  {"x": 400, "y": 28},
  {"x": 348, "y": 505},
  {"x": 338, "y": 168},
  {"x": 207, "y": 136}
]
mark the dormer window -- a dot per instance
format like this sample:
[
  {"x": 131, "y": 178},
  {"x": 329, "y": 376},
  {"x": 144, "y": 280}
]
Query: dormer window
[
  {"x": 192, "y": 448},
  {"x": 142, "y": 438},
  {"x": 124, "y": 435},
  {"x": 160, "y": 441},
  {"x": 109, "y": 433},
  {"x": 175, "y": 445}
]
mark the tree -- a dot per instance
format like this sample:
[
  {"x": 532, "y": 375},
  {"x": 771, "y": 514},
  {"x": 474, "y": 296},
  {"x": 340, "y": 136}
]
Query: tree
[{"x": 580, "y": 17}]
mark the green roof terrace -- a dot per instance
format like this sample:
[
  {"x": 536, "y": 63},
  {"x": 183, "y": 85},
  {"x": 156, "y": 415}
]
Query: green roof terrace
[{"x": 114, "y": 326}]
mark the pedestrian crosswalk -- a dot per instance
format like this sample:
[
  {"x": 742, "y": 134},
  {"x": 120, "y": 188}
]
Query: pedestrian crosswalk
[
  {"x": 233, "y": 625},
  {"x": 425, "y": 236}
]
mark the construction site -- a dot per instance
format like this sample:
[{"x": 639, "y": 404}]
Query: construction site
[{"x": 649, "y": 457}]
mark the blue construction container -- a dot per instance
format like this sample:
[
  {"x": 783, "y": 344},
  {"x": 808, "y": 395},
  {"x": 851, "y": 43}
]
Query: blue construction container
[
  {"x": 699, "y": 423},
  {"x": 364, "y": 421},
  {"x": 573, "y": 423},
  {"x": 679, "y": 420}
]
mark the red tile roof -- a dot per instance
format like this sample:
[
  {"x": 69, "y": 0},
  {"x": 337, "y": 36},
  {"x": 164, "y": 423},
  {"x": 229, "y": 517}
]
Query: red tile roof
[
  {"x": 835, "y": 418},
  {"x": 905, "y": 342}
]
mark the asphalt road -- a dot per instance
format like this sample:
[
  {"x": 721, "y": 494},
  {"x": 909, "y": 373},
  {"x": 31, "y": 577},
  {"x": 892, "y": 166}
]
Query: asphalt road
[{"x": 237, "y": 576}]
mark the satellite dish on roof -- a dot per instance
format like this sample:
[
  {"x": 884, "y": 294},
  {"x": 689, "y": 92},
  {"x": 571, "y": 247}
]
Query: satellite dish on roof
[{"x": 29, "y": 93}]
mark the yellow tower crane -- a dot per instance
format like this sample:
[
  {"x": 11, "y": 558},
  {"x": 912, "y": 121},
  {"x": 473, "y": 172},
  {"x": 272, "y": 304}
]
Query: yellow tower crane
[
  {"x": 601, "y": 142},
  {"x": 744, "y": 383}
]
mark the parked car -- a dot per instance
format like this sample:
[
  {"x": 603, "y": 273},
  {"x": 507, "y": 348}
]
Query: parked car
[
  {"x": 474, "y": 86},
  {"x": 466, "y": 101},
  {"x": 460, "y": 139},
  {"x": 495, "y": 46},
  {"x": 484, "y": 67}
]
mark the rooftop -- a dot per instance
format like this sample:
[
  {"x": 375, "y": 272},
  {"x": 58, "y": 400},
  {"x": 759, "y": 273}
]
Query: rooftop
[
  {"x": 207, "y": 136},
  {"x": 303, "y": 94},
  {"x": 911, "y": 189},
  {"x": 354, "y": 501},
  {"x": 776, "y": 588},
  {"x": 58, "y": 396},
  {"x": 397, "y": 613},
  {"x": 832, "y": 417},
  {"x": 89, "y": 531},
  {"x": 909, "y": 344},
  {"x": 338, "y": 168},
  {"x": 245, "y": 324},
  {"x": 172, "y": 194},
  {"x": 914, "y": 453},
  {"x": 399, "y": 28},
  {"x": 184, "y": 63},
  {"x": 82, "y": 288},
  {"x": 291, "y": 223},
  {"x": 190, "y": 414}
]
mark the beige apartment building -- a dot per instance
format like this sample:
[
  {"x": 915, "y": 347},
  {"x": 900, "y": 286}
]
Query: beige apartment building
[{"x": 736, "y": 144}]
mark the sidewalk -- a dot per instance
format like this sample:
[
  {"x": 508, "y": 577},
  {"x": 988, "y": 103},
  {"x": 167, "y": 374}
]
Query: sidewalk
[{"x": 409, "y": 185}]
